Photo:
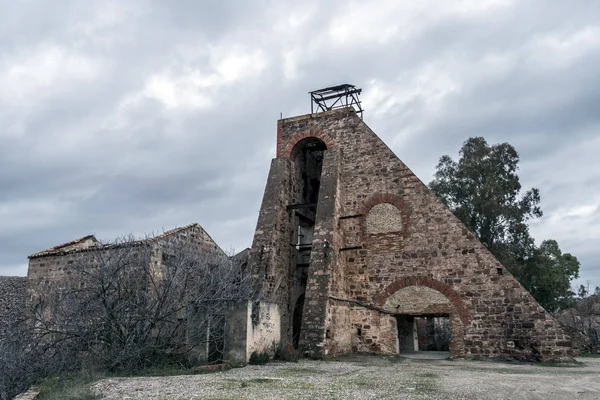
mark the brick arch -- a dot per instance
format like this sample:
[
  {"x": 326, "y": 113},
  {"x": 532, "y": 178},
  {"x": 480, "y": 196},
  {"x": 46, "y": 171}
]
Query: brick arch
[
  {"x": 419, "y": 280},
  {"x": 297, "y": 137},
  {"x": 379, "y": 198}
]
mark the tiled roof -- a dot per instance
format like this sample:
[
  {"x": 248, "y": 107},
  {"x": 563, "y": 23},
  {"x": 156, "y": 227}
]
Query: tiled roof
[
  {"x": 174, "y": 231},
  {"x": 61, "y": 247},
  {"x": 242, "y": 255},
  {"x": 64, "y": 248}
]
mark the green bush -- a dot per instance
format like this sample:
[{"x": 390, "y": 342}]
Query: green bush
[{"x": 259, "y": 358}]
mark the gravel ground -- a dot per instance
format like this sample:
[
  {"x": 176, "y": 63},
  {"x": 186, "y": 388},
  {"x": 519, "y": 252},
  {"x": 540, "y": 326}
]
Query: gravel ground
[{"x": 370, "y": 377}]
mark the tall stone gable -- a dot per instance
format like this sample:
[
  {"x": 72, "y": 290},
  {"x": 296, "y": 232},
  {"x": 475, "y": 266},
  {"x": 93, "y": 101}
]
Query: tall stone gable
[{"x": 349, "y": 241}]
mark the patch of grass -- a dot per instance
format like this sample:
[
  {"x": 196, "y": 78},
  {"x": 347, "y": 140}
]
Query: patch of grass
[
  {"x": 160, "y": 371},
  {"x": 475, "y": 357},
  {"x": 395, "y": 359},
  {"x": 298, "y": 371},
  {"x": 497, "y": 360},
  {"x": 68, "y": 387},
  {"x": 275, "y": 383},
  {"x": 425, "y": 387},
  {"x": 367, "y": 358},
  {"x": 225, "y": 398},
  {"x": 589, "y": 355},
  {"x": 262, "y": 380},
  {"x": 173, "y": 370},
  {"x": 562, "y": 364},
  {"x": 360, "y": 381},
  {"x": 425, "y": 383},
  {"x": 499, "y": 370},
  {"x": 76, "y": 385},
  {"x": 232, "y": 383},
  {"x": 303, "y": 386}
]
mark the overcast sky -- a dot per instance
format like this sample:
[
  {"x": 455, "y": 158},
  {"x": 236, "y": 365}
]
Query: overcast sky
[{"x": 122, "y": 117}]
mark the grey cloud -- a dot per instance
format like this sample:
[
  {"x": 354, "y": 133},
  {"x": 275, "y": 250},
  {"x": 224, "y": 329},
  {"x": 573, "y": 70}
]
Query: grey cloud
[{"x": 107, "y": 169}]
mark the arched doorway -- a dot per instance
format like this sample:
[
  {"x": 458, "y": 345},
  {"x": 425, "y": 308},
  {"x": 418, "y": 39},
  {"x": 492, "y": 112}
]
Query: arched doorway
[
  {"x": 430, "y": 315},
  {"x": 307, "y": 154}
]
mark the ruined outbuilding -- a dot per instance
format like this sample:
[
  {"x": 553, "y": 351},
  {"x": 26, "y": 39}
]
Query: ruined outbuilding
[
  {"x": 353, "y": 248},
  {"x": 240, "y": 328}
]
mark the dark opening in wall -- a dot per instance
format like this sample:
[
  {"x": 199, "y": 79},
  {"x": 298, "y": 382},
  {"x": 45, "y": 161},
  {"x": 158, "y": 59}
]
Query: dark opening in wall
[
  {"x": 308, "y": 157},
  {"x": 499, "y": 271},
  {"x": 297, "y": 321},
  {"x": 424, "y": 332},
  {"x": 216, "y": 339},
  {"x": 255, "y": 316}
]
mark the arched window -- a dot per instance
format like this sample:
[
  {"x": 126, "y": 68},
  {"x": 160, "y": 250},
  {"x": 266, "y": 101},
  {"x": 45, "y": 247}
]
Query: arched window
[
  {"x": 308, "y": 157},
  {"x": 384, "y": 218}
]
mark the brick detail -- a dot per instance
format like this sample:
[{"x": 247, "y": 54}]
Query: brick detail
[
  {"x": 420, "y": 280},
  {"x": 311, "y": 133},
  {"x": 384, "y": 198},
  {"x": 383, "y": 218},
  {"x": 379, "y": 198}
]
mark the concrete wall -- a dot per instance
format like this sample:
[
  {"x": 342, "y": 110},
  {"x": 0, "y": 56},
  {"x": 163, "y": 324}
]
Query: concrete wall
[
  {"x": 263, "y": 333},
  {"x": 249, "y": 327},
  {"x": 236, "y": 340}
]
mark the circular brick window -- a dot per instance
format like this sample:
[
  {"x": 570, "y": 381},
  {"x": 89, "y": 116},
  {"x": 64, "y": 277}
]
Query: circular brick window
[{"x": 384, "y": 218}]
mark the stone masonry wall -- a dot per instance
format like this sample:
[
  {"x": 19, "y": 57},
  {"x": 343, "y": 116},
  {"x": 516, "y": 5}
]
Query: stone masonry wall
[
  {"x": 13, "y": 294},
  {"x": 492, "y": 313},
  {"x": 323, "y": 256},
  {"x": 48, "y": 270}
]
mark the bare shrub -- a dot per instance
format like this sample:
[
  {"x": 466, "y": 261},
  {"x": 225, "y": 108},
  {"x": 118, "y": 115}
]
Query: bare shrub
[
  {"x": 583, "y": 324},
  {"x": 125, "y": 306}
]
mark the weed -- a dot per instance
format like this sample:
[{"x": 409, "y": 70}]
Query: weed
[
  {"x": 258, "y": 358},
  {"x": 286, "y": 353},
  {"x": 261, "y": 380}
]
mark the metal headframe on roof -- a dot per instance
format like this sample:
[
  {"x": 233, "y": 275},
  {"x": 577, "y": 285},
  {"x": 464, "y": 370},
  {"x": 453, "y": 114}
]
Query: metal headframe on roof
[{"x": 333, "y": 97}]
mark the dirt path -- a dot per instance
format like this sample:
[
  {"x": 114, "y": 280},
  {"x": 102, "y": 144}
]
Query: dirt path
[{"x": 370, "y": 377}]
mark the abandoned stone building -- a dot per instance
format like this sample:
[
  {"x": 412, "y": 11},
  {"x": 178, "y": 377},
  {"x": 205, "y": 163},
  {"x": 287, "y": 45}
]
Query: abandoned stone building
[
  {"x": 353, "y": 253},
  {"x": 354, "y": 249},
  {"x": 51, "y": 267},
  {"x": 232, "y": 335}
]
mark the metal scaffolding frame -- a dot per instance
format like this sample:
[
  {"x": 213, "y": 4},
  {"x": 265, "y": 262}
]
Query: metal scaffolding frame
[{"x": 333, "y": 97}]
